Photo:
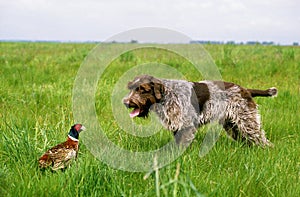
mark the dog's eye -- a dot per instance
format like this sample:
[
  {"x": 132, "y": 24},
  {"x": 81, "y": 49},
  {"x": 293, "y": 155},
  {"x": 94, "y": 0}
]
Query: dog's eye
[{"x": 140, "y": 89}]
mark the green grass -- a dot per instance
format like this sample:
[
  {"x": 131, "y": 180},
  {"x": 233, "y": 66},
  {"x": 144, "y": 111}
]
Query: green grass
[{"x": 36, "y": 82}]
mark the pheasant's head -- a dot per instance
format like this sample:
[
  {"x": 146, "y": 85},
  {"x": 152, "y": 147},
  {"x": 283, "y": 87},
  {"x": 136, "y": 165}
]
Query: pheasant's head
[{"x": 75, "y": 130}]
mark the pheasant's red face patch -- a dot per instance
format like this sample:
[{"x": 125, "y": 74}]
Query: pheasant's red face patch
[{"x": 78, "y": 127}]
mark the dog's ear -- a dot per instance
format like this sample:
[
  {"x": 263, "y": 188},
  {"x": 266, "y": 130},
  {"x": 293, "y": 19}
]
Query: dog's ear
[{"x": 158, "y": 89}]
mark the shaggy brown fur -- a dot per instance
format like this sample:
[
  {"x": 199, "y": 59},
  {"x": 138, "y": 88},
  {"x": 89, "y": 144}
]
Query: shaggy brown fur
[{"x": 184, "y": 106}]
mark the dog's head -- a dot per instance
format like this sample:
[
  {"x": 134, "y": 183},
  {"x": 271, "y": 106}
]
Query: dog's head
[{"x": 145, "y": 91}]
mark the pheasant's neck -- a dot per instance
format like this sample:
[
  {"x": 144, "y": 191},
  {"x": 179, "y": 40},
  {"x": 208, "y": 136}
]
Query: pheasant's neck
[{"x": 72, "y": 138}]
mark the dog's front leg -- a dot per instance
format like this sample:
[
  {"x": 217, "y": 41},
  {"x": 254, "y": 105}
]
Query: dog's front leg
[{"x": 185, "y": 136}]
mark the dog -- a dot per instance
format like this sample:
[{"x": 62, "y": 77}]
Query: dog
[{"x": 183, "y": 106}]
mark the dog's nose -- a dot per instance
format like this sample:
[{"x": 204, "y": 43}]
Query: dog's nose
[{"x": 126, "y": 102}]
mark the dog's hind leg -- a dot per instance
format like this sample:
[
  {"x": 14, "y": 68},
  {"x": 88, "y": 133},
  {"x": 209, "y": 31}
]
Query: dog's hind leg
[
  {"x": 248, "y": 123},
  {"x": 231, "y": 129}
]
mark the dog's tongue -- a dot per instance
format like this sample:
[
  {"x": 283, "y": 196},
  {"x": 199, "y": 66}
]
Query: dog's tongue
[{"x": 134, "y": 113}]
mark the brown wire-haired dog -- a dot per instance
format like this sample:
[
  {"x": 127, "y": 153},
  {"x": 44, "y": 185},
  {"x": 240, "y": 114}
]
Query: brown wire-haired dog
[{"x": 183, "y": 106}]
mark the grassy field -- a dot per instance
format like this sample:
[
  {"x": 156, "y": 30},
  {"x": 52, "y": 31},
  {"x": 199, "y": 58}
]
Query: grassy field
[{"x": 36, "y": 113}]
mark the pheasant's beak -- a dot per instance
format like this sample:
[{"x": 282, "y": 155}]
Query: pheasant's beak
[{"x": 82, "y": 128}]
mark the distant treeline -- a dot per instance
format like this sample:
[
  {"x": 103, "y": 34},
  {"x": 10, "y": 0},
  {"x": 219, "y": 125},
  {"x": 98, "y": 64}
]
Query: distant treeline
[
  {"x": 136, "y": 41},
  {"x": 238, "y": 43}
]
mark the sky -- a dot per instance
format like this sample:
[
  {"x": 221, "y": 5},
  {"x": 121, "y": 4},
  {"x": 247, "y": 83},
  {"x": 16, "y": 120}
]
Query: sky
[{"x": 98, "y": 20}]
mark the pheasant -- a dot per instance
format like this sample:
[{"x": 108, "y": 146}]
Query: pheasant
[{"x": 61, "y": 155}]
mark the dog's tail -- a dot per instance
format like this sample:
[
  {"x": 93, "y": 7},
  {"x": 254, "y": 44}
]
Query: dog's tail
[{"x": 264, "y": 93}]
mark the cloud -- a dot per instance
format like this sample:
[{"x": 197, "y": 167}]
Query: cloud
[{"x": 276, "y": 20}]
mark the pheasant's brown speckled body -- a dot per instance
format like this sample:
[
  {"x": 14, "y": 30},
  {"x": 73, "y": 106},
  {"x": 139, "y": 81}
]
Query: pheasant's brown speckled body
[{"x": 61, "y": 155}]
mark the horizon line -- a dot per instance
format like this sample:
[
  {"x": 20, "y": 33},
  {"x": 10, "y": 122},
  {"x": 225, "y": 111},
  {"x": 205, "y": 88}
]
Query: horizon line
[{"x": 233, "y": 42}]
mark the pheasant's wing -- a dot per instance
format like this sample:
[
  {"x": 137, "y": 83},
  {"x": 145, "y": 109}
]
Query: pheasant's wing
[
  {"x": 62, "y": 157},
  {"x": 60, "y": 163},
  {"x": 48, "y": 158}
]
